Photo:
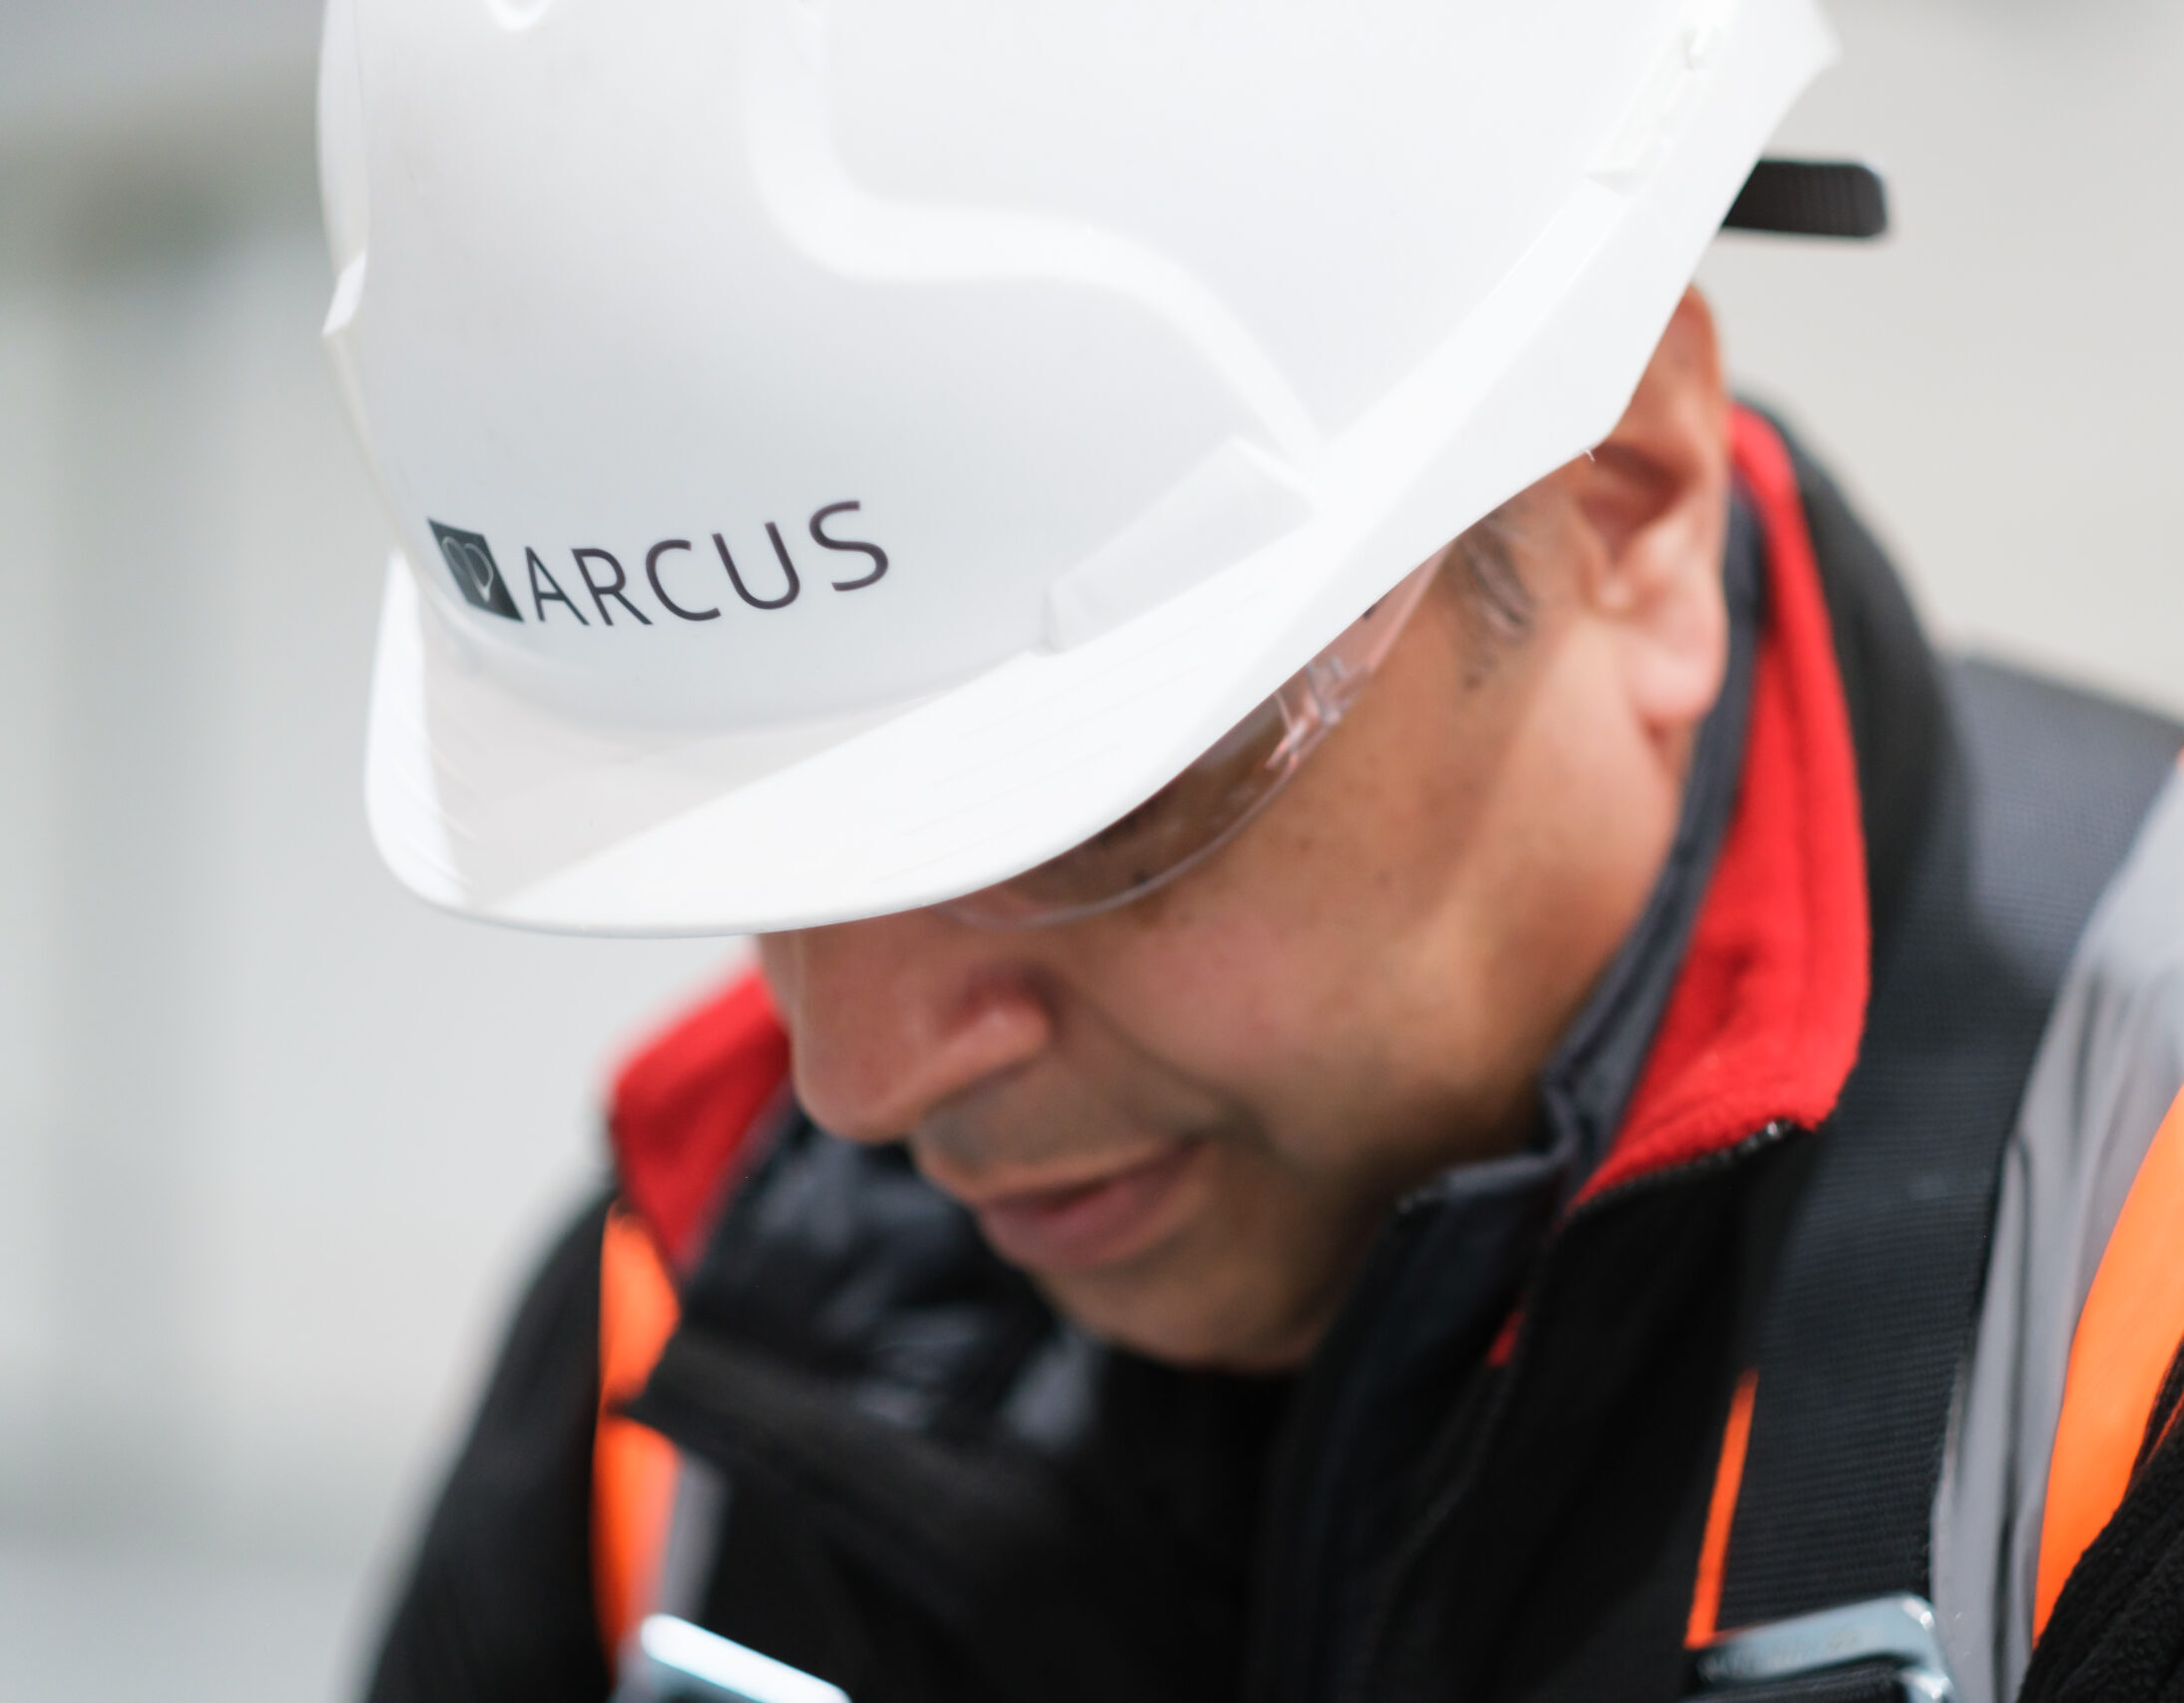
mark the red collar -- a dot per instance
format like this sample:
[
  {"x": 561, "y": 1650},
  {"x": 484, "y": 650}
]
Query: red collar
[{"x": 1764, "y": 1022}]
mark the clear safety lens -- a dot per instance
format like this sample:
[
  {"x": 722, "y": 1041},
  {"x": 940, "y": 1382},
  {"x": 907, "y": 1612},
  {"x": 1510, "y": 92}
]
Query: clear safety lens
[{"x": 1205, "y": 806}]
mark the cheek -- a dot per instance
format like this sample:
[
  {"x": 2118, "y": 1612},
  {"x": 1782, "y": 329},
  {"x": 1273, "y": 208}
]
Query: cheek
[
  {"x": 1303, "y": 968},
  {"x": 1228, "y": 993},
  {"x": 1281, "y": 1010},
  {"x": 1203, "y": 1027}
]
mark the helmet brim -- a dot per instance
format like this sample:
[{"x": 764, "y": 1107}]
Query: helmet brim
[{"x": 492, "y": 805}]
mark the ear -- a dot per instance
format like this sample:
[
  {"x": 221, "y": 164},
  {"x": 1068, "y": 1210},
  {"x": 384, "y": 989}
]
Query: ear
[{"x": 1655, "y": 498}]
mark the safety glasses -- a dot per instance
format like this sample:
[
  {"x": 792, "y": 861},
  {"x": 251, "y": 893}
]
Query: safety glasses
[{"x": 1209, "y": 803}]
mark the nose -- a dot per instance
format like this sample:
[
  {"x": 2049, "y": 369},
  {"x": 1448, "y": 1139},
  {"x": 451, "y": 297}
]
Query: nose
[{"x": 892, "y": 1017}]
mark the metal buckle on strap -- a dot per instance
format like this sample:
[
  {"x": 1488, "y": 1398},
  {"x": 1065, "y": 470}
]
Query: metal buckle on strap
[
  {"x": 1889, "y": 1629},
  {"x": 672, "y": 1661}
]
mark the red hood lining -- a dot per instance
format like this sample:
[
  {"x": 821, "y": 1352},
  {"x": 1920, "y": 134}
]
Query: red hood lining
[{"x": 686, "y": 1106}]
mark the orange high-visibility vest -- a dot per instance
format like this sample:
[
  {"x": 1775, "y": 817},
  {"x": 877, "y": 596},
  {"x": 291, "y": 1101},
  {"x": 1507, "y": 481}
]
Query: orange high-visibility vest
[
  {"x": 686, "y": 1110},
  {"x": 2128, "y": 1345}
]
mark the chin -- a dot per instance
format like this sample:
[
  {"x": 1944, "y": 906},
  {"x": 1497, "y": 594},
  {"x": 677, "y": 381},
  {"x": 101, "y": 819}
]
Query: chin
[{"x": 1171, "y": 1322}]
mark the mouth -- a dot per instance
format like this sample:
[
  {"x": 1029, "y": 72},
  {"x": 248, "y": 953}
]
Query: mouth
[{"x": 1085, "y": 1224}]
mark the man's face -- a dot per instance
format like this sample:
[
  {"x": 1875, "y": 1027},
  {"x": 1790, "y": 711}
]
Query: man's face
[{"x": 1186, "y": 1118}]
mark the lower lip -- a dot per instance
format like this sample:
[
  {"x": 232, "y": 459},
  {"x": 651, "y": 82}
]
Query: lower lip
[{"x": 1075, "y": 1230}]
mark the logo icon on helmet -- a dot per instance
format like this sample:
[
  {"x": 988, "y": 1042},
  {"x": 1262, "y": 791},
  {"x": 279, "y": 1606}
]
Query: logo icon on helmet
[{"x": 477, "y": 576}]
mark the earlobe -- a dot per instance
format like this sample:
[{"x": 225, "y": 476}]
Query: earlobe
[{"x": 1655, "y": 497}]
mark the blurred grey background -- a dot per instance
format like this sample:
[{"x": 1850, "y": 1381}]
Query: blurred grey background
[{"x": 275, "y": 1143}]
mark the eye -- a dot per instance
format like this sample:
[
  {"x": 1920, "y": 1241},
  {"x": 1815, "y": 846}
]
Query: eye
[
  {"x": 1207, "y": 805},
  {"x": 1178, "y": 824}
]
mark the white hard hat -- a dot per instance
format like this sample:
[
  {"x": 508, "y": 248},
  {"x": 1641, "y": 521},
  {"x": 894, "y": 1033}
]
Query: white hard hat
[{"x": 845, "y": 452}]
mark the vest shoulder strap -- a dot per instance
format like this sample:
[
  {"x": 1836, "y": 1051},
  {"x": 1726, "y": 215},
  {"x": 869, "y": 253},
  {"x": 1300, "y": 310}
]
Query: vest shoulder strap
[
  {"x": 686, "y": 1114},
  {"x": 1879, "y": 1256}
]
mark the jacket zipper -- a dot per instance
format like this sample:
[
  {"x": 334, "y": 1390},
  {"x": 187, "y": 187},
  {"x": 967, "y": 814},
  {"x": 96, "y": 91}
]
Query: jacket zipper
[
  {"x": 1356, "y": 1688},
  {"x": 1290, "y": 1470}
]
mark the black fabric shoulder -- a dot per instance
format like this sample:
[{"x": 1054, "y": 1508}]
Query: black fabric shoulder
[
  {"x": 497, "y": 1607},
  {"x": 2117, "y": 1635},
  {"x": 2070, "y": 778}
]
